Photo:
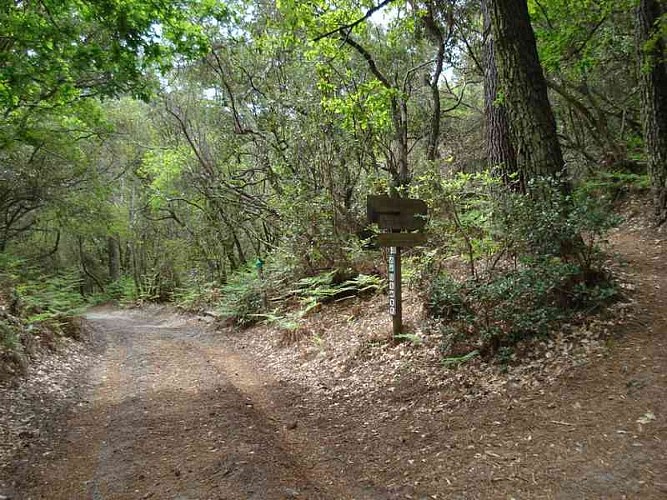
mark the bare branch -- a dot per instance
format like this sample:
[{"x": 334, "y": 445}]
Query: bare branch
[
  {"x": 458, "y": 102},
  {"x": 369, "y": 59},
  {"x": 348, "y": 27}
]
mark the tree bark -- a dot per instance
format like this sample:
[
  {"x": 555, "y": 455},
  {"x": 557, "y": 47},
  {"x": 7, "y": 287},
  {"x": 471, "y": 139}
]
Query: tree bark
[
  {"x": 114, "y": 258},
  {"x": 500, "y": 152},
  {"x": 84, "y": 267},
  {"x": 400, "y": 147},
  {"x": 653, "y": 80},
  {"x": 524, "y": 91},
  {"x": 437, "y": 35}
]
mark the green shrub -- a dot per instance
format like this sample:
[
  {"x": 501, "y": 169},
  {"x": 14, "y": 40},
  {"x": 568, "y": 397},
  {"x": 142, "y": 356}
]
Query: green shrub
[
  {"x": 533, "y": 260},
  {"x": 196, "y": 296},
  {"x": 444, "y": 298},
  {"x": 615, "y": 185},
  {"x": 51, "y": 297},
  {"x": 499, "y": 311},
  {"x": 242, "y": 298},
  {"x": 335, "y": 285},
  {"x": 319, "y": 289},
  {"x": 554, "y": 224}
]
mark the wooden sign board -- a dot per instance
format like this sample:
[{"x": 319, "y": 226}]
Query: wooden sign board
[
  {"x": 402, "y": 240},
  {"x": 396, "y": 214}
]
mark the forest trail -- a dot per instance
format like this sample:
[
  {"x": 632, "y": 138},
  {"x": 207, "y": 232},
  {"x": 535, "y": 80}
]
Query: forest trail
[
  {"x": 166, "y": 418},
  {"x": 173, "y": 410}
]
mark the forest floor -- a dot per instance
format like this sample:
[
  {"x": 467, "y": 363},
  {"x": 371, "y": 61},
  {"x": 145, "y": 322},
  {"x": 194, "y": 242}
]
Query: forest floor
[{"x": 166, "y": 406}]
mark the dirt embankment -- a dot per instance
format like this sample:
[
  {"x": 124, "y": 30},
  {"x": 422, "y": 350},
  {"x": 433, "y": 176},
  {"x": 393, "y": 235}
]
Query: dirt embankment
[{"x": 172, "y": 409}]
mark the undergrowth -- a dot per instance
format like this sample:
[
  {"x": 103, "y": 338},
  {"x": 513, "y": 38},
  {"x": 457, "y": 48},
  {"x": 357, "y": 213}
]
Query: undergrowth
[
  {"x": 528, "y": 263},
  {"x": 246, "y": 298},
  {"x": 243, "y": 298},
  {"x": 35, "y": 309},
  {"x": 39, "y": 297}
]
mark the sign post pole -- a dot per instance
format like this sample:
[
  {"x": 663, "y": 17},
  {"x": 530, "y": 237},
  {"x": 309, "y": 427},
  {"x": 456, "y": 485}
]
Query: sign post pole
[
  {"x": 395, "y": 299},
  {"x": 400, "y": 217}
]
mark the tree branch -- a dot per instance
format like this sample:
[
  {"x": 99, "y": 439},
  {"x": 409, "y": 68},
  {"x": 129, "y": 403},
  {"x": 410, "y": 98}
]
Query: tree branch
[
  {"x": 348, "y": 27},
  {"x": 369, "y": 59}
]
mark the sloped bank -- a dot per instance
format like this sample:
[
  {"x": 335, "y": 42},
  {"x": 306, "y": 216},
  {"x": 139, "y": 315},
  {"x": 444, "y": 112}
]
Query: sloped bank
[
  {"x": 581, "y": 414},
  {"x": 34, "y": 403}
]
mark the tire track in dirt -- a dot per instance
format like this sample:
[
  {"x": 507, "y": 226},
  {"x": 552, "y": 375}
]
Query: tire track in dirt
[
  {"x": 303, "y": 435},
  {"x": 165, "y": 421}
]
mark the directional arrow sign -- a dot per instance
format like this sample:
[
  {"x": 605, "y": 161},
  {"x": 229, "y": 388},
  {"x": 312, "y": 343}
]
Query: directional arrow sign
[{"x": 406, "y": 214}]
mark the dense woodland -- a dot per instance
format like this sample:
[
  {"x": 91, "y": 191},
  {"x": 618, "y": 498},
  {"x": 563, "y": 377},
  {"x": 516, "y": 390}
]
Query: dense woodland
[{"x": 154, "y": 151}]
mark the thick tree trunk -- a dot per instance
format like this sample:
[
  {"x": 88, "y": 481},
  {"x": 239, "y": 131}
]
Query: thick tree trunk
[
  {"x": 653, "y": 77},
  {"x": 500, "y": 152},
  {"x": 524, "y": 91}
]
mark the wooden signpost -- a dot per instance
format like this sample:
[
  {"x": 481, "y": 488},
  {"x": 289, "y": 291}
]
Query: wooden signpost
[
  {"x": 402, "y": 240},
  {"x": 396, "y": 215},
  {"x": 399, "y": 214}
]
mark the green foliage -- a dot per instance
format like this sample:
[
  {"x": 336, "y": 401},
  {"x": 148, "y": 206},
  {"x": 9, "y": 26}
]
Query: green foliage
[
  {"x": 368, "y": 107},
  {"x": 408, "y": 337},
  {"x": 122, "y": 290},
  {"x": 265, "y": 143},
  {"x": 454, "y": 361},
  {"x": 163, "y": 171},
  {"x": 335, "y": 285},
  {"x": 541, "y": 262},
  {"x": 462, "y": 209},
  {"x": 242, "y": 298},
  {"x": 585, "y": 48},
  {"x": 40, "y": 297},
  {"x": 286, "y": 322},
  {"x": 319, "y": 289},
  {"x": 10, "y": 267},
  {"x": 444, "y": 298},
  {"x": 501, "y": 310},
  {"x": 309, "y": 240},
  {"x": 51, "y": 297},
  {"x": 615, "y": 185},
  {"x": 577, "y": 37},
  {"x": 197, "y": 296},
  {"x": 57, "y": 51},
  {"x": 554, "y": 224}
]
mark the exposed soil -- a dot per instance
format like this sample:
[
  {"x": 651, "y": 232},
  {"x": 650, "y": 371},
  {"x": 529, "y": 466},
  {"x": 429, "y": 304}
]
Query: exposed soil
[{"x": 171, "y": 408}]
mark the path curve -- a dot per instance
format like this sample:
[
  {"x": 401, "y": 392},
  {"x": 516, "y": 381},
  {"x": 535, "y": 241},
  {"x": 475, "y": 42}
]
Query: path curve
[{"x": 166, "y": 419}]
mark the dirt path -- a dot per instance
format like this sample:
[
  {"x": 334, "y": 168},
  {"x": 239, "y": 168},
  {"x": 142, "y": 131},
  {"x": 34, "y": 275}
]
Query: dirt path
[
  {"x": 173, "y": 410},
  {"x": 165, "y": 420}
]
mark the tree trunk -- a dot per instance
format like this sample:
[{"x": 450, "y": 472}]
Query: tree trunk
[
  {"x": 136, "y": 273},
  {"x": 524, "y": 91},
  {"x": 500, "y": 152},
  {"x": 400, "y": 147},
  {"x": 653, "y": 80},
  {"x": 84, "y": 267},
  {"x": 438, "y": 39},
  {"x": 114, "y": 258}
]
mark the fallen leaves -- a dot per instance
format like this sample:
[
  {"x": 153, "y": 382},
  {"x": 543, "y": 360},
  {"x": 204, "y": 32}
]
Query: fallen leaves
[
  {"x": 646, "y": 418},
  {"x": 30, "y": 404}
]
